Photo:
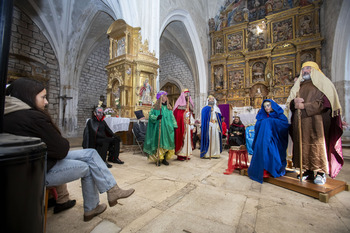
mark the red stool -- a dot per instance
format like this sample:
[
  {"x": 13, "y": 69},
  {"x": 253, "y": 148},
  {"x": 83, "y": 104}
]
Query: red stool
[{"x": 237, "y": 152}]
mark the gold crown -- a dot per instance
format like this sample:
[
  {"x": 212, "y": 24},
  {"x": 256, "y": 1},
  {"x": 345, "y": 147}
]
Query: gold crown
[{"x": 185, "y": 90}]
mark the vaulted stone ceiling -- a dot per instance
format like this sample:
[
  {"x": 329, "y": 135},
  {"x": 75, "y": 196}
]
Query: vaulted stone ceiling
[{"x": 74, "y": 28}]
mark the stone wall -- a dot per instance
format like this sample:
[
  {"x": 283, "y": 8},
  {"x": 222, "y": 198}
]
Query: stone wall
[
  {"x": 175, "y": 70},
  {"x": 32, "y": 56},
  {"x": 92, "y": 83}
]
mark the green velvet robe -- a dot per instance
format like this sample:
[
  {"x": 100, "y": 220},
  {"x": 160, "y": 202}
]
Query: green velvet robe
[{"x": 167, "y": 138}]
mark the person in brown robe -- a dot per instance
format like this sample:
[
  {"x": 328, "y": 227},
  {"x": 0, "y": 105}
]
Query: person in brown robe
[{"x": 320, "y": 124}]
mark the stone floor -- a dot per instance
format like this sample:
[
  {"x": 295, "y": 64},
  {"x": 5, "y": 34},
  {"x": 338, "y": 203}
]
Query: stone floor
[{"x": 196, "y": 196}]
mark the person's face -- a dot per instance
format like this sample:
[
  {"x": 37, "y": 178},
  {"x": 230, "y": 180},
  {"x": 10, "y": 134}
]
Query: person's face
[
  {"x": 211, "y": 101},
  {"x": 306, "y": 71},
  {"x": 267, "y": 107},
  {"x": 40, "y": 100},
  {"x": 99, "y": 114},
  {"x": 164, "y": 98},
  {"x": 236, "y": 120}
]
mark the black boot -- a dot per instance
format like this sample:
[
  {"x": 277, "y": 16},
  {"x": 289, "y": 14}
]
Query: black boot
[
  {"x": 117, "y": 160},
  {"x": 165, "y": 162},
  {"x": 64, "y": 206},
  {"x": 108, "y": 165}
]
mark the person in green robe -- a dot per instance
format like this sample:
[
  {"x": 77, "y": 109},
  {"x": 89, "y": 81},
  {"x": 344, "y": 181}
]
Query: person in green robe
[{"x": 161, "y": 114}]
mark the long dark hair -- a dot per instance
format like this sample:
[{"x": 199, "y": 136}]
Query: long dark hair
[{"x": 26, "y": 90}]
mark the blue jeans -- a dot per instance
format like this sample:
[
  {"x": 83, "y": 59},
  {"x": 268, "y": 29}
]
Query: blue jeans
[{"x": 87, "y": 165}]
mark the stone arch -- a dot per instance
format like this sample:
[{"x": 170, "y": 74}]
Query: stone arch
[{"x": 185, "y": 18}]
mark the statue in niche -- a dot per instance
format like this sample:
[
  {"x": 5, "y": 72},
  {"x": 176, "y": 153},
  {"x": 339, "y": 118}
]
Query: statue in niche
[
  {"x": 218, "y": 77},
  {"x": 223, "y": 19},
  {"x": 116, "y": 93},
  {"x": 211, "y": 24},
  {"x": 245, "y": 14},
  {"x": 121, "y": 47},
  {"x": 269, "y": 7},
  {"x": 218, "y": 46},
  {"x": 258, "y": 72},
  {"x": 145, "y": 93},
  {"x": 305, "y": 25}
]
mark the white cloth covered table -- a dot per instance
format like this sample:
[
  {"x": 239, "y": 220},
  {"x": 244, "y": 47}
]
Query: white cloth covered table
[{"x": 117, "y": 124}]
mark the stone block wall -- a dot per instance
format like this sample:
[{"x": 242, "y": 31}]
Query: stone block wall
[
  {"x": 174, "y": 70},
  {"x": 92, "y": 83},
  {"x": 32, "y": 56}
]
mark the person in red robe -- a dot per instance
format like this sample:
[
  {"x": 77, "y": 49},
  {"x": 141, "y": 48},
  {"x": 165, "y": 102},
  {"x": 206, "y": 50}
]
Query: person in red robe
[{"x": 183, "y": 112}]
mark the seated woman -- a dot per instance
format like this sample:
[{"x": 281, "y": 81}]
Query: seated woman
[
  {"x": 236, "y": 132},
  {"x": 270, "y": 142},
  {"x": 25, "y": 116}
]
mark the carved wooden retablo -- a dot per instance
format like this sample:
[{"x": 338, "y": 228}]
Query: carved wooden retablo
[
  {"x": 257, "y": 50},
  {"x": 132, "y": 71}
]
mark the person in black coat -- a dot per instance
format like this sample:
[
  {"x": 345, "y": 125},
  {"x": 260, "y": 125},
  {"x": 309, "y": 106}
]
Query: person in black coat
[
  {"x": 99, "y": 136},
  {"x": 236, "y": 132},
  {"x": 140, "y": 127}
]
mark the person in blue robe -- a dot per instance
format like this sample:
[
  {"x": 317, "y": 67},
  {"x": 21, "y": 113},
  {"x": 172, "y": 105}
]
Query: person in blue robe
[
  {"x": 211, "y": 131},
  {"x": 270, "y": 142}
]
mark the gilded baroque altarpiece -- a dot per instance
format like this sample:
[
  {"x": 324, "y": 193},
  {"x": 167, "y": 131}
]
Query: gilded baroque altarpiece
[
  {"x": 132, "y": 71},
  {"x": 254, "y": 60}
]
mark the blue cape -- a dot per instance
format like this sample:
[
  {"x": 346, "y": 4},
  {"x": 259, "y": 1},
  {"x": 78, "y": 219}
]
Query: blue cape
[
  {"x": 205, "y": 119},
  {"x": 270, "y": 143}
]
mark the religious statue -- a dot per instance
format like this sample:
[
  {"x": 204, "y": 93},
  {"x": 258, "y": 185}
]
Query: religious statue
[
  {"x": 218, "y": 75},
  {"x": 145, "y": 93},
  {"x": 211, "y": 24},
  {"x": 116, "y": 93},
  {"x": 258, "y": 72}
]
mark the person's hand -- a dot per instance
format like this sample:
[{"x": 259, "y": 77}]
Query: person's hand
[
  {"x": 299, "y": 106},
  {"x": 159, "y": 117},
  {"x": 298, "y": 100},
  {"x": 211, "y": 124}
]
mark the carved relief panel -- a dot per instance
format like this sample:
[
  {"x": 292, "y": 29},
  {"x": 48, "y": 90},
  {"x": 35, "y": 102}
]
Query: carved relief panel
[
  {"x": 234, "y": 41},
  {"x": 236, "y": 79},
  {"x": 284, "y": 73},
  {"x": 306, "y": 24},
  {"x": 257, "y": 36},
  {"x": 282, "y": 30}
]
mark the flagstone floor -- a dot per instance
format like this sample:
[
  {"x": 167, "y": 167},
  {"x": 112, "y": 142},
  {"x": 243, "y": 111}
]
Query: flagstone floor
[{"x": 196, "y": 197}]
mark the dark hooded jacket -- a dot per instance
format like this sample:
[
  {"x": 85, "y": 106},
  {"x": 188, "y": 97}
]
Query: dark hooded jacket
[
  {"x": 94, "y": 131},
  {"x": 21, "y": 119}
]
